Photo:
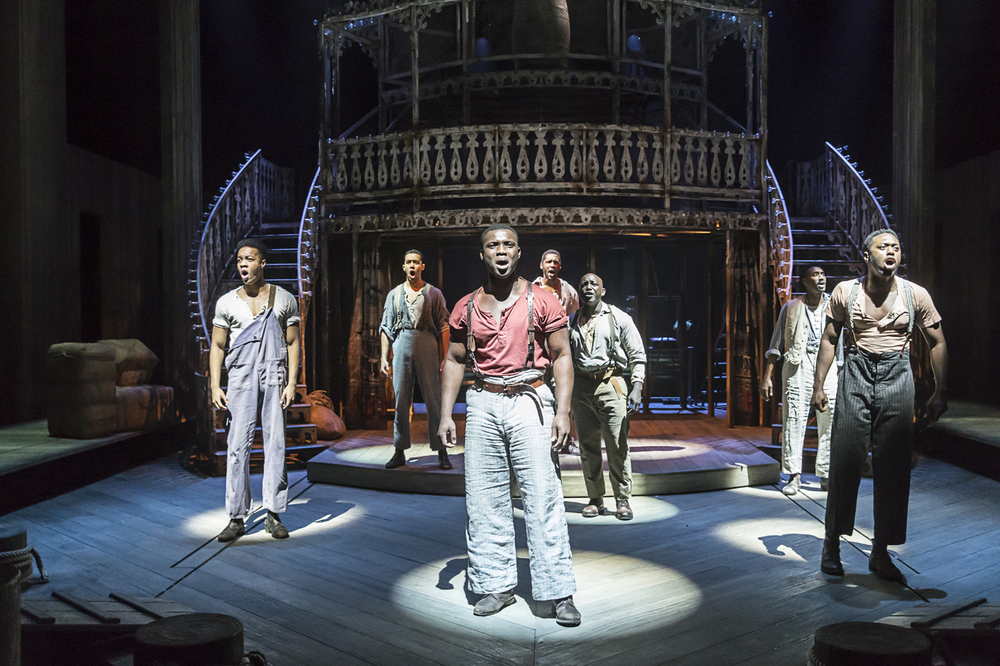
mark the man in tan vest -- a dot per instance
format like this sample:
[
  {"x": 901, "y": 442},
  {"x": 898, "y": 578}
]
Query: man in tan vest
[{"x": 796, "y": 338}]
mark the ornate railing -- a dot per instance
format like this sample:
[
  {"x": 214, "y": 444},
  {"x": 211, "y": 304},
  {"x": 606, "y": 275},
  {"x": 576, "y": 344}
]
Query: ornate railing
[
  {"x": 309, "y": 230},
  {"x": 782, "y": 248},
  {"x": 497, "y": 160},
  {"x": 831, "y": 186},
  {"x": 258, "y": 191}
]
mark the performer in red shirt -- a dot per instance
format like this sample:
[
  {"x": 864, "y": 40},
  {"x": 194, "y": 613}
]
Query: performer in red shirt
[{"x": 513, "y": 333}]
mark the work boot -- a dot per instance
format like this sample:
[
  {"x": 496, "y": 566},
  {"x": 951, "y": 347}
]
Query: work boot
[
  {"x": 494, "y": 602},
  {"x": 792, "y": 486},
  {"x": 566, "y": 613},
  {"x": 273, "y": 526},
  {"x": 398, "y": 459},
  {"x": 623, "y": 510},
  {"x": 880, "y": 563},
  {"x": 234, "y": 530},
  {"x": 443, "y": 461},
  {"x": 830, "y": 562}
]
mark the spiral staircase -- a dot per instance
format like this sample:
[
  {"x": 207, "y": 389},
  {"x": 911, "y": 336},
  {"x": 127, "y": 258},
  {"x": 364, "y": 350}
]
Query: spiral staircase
[{"x": 257, "y": 201}]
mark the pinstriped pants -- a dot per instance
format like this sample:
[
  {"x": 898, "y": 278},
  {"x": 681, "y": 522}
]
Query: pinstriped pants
[
  {"x": 874, "y": 413},
  {"x": 504, "y": 432}
]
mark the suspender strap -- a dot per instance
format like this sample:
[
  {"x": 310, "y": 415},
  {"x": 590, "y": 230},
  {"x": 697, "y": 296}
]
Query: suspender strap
[
  {"x": 530, "y": 360},
  {"x": 470, "y": 339},
  {"x": 614, "y": 336},
  {"x": 272, "y": 291},
  {"x": 850, "y": 312}
]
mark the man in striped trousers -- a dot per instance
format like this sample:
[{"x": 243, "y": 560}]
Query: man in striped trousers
[{"x": 875, "y": 398}]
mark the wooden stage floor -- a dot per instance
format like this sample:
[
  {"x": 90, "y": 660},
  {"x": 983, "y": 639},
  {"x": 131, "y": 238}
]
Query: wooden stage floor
[
  {"x": 369, "y": 577},
  {"x": 671, "y": 454}
]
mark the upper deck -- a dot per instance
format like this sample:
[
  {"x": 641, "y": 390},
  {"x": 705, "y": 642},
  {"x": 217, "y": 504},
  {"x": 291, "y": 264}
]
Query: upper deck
[{"x": 550, "y": 102}]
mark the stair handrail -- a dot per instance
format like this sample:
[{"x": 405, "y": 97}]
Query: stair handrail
[
  {"x": 259, "y": 190},
  {"x": 854, "y": 206},
  {"x": 782, "y": 247},
  {"x": 306, "y": 255}
]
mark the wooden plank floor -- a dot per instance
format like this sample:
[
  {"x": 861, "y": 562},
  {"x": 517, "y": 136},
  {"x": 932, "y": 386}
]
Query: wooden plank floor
[
  {"x": 368, "y": 577},
  {"x": 688, "y": 453}
]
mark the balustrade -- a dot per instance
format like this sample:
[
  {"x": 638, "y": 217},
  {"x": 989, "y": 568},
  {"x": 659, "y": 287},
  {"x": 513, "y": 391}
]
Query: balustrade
[
  {"x": 259, "y": 191},
  {"x": 831, "y": 186},
  {"x": 545, "y": 159}
]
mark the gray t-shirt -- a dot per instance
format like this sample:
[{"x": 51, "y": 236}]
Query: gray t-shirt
[{"x": 233, "y": 313}]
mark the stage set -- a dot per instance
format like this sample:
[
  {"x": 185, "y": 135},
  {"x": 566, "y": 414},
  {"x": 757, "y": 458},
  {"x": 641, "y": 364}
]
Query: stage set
[{"x": 587, "y": 126}]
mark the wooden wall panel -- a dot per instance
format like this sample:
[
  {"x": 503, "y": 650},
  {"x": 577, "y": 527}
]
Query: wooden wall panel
[{"x": 967, "y": 206}]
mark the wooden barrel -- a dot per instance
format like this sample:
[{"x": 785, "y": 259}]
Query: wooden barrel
[
  {"x": 195, "y": 639},
  {"x": 541, "y": 26},
  {"x": 15, "y": 551},
  {"x": 10, "y": 615},
  {"x": 869, "y": 644}
]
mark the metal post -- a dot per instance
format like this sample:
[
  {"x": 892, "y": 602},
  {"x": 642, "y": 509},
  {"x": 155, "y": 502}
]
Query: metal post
[
  {"x": 616, "y": 26},
  {"x": 415, "y": 101}
]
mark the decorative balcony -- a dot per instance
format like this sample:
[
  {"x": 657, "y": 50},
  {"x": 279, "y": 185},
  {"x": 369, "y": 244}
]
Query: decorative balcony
[
  {"x": 567, "y": 103},
  {"x": 544, "y": 159}
]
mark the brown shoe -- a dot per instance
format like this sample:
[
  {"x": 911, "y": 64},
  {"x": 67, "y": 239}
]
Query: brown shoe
[
  {"x": 623, "y": 510},
  {"x": 566, "y": 613},
  {"x": 594, "y": 509}
]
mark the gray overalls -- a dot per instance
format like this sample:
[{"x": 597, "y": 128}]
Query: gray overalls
[
  {"x": 874, "y": 413},
  {"x": 257, "y": 366}
]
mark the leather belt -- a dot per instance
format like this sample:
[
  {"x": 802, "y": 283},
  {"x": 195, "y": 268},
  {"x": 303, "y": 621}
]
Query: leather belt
[
  {"x": 507, "y": 389},
  {"x": 601, "y": 376}
]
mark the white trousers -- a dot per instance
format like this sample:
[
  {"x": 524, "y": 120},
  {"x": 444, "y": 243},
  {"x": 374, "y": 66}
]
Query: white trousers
[{"x": 797, "y": 388}]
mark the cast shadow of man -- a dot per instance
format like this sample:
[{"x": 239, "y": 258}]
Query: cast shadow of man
[
  {"x": 853, "y": 588},
  {"x": 459, "y": 565},
  {"x": 298, "y": 525}
]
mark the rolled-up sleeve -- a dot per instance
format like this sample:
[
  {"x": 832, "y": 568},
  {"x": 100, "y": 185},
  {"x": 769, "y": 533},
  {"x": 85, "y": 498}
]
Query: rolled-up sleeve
[
  {"x": 635, "y": 350},
  {"x": 439, "y": 311},
  {"x": 775, "y": 349},
  {"x": 389, "y": 316}
]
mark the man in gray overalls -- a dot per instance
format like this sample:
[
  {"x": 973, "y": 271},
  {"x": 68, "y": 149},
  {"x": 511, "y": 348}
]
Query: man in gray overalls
[
  {"x": 512, "y": 334},
  {"x": 262, "y": 321},
  {"x": 415, "y": 325},
  {"x": 875, "y": 398}
]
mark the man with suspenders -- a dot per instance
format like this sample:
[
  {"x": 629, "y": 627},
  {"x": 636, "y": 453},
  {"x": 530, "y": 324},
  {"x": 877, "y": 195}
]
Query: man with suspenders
[
  {"x": 415, "y": 325},
  {"x": 605, "y": 341},
  {"x": 875, "y": 398},
  {"x": 512, "y": 334},
  {"x": 263, "y": 369}
]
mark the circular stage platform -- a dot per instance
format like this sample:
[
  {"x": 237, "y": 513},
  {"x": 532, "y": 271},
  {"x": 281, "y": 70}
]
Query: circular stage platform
[{"x": 670, "y": 455}]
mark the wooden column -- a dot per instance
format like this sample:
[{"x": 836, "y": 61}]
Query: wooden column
[
  {"x": 668, "y": 30},
  {"x": 39, "y": 253},
  {"x": 913, "y": 135},
  {"x": 181, "y": 186},
  {"x": 710, "y": 331}
]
